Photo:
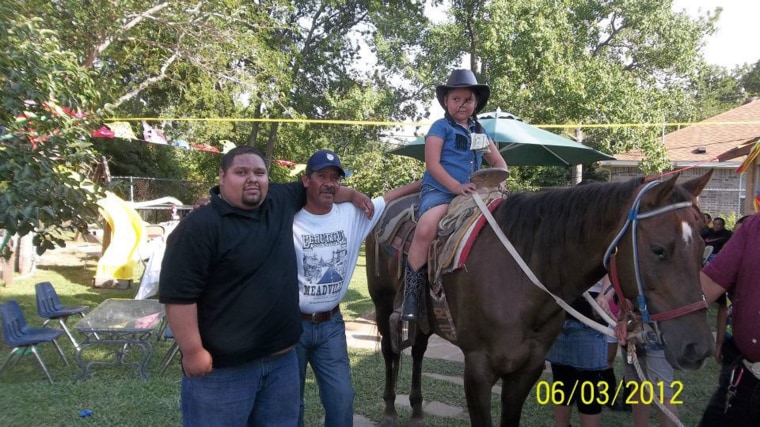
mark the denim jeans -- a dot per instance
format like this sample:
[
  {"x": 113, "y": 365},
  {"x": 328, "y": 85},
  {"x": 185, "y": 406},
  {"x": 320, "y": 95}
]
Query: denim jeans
[
  {"x": 263, "y": 392},
  {"x": 431, "y": 197},
  {"x": 323, "y": 346}
]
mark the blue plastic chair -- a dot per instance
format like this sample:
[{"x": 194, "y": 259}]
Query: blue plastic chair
[
  {"x": 49, "y": 307},
  {"x": 20, "y": 337}
]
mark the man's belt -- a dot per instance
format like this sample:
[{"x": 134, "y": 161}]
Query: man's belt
[
  {"x": 752, "y": 367},
  {"x": 321, "y": 316}
]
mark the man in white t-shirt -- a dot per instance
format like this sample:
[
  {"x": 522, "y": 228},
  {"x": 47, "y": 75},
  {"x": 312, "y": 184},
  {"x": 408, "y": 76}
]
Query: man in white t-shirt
[{"x": 327, "y": 240}]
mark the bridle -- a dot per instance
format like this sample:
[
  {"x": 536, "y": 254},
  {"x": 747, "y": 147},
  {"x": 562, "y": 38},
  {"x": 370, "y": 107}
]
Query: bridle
[{"x": 634, "y": 216}]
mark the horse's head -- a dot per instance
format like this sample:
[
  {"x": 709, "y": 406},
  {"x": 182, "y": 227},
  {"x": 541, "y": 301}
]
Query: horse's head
[{"x": 658, "y": 263}]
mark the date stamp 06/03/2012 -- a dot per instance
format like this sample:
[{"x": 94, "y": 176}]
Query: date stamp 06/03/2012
[{"x": 637, "y": 392}]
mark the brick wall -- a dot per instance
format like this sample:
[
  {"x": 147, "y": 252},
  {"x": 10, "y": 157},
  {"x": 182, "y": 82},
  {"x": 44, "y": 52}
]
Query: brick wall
[{"x": 721, "y": 197}]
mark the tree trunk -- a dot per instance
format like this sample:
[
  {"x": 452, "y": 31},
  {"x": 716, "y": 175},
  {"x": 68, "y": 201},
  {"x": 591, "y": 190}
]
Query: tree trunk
[
  {"x": 577, "y": 173},
  {"x": 270, "y": 143},
  {"x": 255, "y": 129},
  {"x": 25, "y": 261},
  {"x": 8, "y": 270},
  {"x": 8, "y": 265}
]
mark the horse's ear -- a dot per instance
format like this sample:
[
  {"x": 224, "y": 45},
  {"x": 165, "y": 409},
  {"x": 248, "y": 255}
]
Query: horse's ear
[
  {"x": 696, "y": 185},
  {"x": 665, "y": 190}
]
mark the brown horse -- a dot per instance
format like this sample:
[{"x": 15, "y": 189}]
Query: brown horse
[{"x": 506, "y": 325}]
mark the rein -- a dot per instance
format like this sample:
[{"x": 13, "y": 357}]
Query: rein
[
  {"x": 634, "y": 216},
  {"x": 528, "y": 272},
  {"x": 610, "y": 263}
]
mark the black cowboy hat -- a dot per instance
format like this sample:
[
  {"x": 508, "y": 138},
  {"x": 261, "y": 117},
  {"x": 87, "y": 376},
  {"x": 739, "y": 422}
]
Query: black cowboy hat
[{"x": 466, "y": 79}]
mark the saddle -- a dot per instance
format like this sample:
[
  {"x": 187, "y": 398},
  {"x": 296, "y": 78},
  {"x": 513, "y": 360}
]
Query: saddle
[
  {"x": 448, "y": 252},
  {"x": 396, "y": 227}
]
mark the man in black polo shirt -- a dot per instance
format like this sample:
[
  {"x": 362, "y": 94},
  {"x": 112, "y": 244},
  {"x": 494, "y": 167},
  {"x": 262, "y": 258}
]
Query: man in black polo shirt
[{"x": 230, "y": 285}]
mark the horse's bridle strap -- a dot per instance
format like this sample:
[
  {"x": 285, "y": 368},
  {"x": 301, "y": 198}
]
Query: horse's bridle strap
[
  {"x": 625, "y": 307},
  {"x": 657, "y": 317},
  {"x": 680, "y": 311}
]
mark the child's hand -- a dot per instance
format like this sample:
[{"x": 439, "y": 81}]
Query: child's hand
[{"x": 467, "y": 188}]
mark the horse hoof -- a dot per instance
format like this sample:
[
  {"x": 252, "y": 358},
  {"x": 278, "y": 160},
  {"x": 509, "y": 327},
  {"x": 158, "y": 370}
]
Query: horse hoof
[
  {"x": 389, "y": 422},
  {"x": 417, "y": 422}
]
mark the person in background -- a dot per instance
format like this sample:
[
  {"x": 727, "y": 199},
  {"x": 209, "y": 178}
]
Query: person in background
[
  {"x": 327, "y": 238},
  {"x": 708, "y": 219},
  {"x": 454, "y": 148},
  {"x": 578, "y": 356},
  {"x": 230, "y": 286},
  {"x": 734, "y": 270},
  {"x": 607, "y": 302},
  {"x": 656, "y": 370},
  {"x": 717, "y": 236}
]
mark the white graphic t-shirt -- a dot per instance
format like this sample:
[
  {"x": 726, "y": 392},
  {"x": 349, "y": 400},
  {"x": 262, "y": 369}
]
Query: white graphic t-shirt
[{"x": 327, "y": 247}]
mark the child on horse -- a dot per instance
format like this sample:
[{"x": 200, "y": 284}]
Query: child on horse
[{"x": 454, "y": 148}]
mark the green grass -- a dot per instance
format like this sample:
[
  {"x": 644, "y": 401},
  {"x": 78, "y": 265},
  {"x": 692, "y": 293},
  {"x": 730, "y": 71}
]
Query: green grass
[{"x": 118, "y": 397}]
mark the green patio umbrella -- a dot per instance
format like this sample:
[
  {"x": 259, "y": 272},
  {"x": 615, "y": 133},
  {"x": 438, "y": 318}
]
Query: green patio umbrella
[{"x": 522, "y": 144}]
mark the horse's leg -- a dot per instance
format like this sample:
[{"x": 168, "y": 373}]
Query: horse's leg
[
  {"x": 478, "y": 381},
  {"x": 415, "y": 397},
  {"x": 390, "y": 417},
  {"x": 515, "y": 388},
  {"x": 392, "y": 361}
]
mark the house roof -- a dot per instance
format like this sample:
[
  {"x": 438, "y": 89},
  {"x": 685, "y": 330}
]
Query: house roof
[{"x": 708, "y": 139}]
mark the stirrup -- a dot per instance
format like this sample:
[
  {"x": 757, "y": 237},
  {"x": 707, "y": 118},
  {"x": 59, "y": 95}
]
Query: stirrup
[
  {"x": 402, "y": 333},
  {"x": 409, "y": 317}
]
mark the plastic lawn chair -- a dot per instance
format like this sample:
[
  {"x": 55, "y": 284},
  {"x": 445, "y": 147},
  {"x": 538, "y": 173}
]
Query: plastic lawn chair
[
  {"x": 49, "y": 307},
  {"x": 21, "y": 338}
]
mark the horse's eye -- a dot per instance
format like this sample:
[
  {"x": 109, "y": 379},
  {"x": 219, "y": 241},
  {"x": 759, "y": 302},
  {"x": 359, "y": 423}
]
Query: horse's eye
[{"x": 659, "y": 251}]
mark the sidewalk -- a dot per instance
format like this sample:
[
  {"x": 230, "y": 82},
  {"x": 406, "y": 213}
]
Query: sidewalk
[{"x": 362, "y": 333}]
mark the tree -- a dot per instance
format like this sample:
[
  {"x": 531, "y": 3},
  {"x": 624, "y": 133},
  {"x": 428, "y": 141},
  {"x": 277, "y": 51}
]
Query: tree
[
  {"x": 253, "y": 60},
  {"x": 45, "y": 154},
  {"x": 324, "y": 42},
  {"x": 713, "y": 91},
  {"x": 751, "y": 79},
  {"x": 578, "y": 61},
  {"x": 375, "y": 173}
]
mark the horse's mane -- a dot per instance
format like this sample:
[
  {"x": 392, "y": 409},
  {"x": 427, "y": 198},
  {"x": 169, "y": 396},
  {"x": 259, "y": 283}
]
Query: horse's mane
[{"x": 564, "y": 216}]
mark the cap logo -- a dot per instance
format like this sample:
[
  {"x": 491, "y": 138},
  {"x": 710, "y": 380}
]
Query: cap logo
[{"x": 330, "y": 157}]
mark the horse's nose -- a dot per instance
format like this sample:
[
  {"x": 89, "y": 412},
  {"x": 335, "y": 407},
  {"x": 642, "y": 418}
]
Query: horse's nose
[{"x": 694, "y": 355}]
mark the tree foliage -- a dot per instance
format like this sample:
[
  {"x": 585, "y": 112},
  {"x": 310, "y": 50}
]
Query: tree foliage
[
  {"x": 750, "y": 79},
  {"x": 373, "y": 172},
  {"x": 713, "y": 91},
  {"x": 45, "y": 153},
  {"x": 569, "y": 61},
  {"x": 579, "y": 62}
]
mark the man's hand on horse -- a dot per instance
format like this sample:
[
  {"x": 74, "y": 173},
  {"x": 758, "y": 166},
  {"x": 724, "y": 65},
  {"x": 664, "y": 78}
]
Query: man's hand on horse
[
  {"x": 201, "y": 203},
  {"x": 363, "y": 203}
]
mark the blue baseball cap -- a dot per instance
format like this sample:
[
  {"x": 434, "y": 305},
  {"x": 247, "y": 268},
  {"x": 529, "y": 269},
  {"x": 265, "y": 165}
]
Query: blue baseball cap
[{"x": 323, "y": 159}]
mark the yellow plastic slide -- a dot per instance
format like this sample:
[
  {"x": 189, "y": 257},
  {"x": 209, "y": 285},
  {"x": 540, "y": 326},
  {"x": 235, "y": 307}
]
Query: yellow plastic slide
[{"x": 116, "y": 266}]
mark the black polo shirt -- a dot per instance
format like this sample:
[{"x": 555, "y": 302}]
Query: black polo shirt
[{"x": 239, "y": 267}]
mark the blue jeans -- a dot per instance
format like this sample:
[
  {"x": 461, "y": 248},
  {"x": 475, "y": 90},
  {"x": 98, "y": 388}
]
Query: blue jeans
[
  {"x": 263, "y": 392},
  {"x": 323, "y": 346}
]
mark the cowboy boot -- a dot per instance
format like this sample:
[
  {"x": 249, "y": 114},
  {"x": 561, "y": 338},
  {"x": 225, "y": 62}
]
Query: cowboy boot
[{"x": 414, "y": 282}]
